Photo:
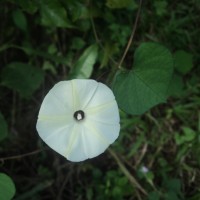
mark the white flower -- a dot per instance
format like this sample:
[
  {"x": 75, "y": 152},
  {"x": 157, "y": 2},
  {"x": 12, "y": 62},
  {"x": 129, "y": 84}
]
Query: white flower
[
  {"x": 79, "y": 119},
  {"x": 144, "y": 169}
]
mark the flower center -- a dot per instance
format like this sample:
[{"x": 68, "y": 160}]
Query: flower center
[{"x": 79, "y": 115}]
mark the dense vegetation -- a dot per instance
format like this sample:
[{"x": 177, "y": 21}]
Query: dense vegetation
[{"x": 157, "y": 155}]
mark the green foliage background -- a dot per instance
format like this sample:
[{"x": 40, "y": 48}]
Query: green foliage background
[{"x": 157, "y": 154}]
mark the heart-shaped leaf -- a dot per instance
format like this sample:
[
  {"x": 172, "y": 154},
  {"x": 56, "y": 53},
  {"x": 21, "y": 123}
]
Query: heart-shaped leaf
[{"x": 146, "y": 84}]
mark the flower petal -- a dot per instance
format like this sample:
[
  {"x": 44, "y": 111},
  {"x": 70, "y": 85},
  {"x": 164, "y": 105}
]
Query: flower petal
[
  {"x": 98, "y": 137},
  {"x": 106, "y": 132},
  {"x": 55, "y": 134},
  {"x": 77, "y": 149},
  {"x": 84, "y": 91},
  {"x": 103, "y": 95},
  {"x": 106, "y": 113},
  {"x": 58, "y": 100},
  {"x": 91, "y": 139}
]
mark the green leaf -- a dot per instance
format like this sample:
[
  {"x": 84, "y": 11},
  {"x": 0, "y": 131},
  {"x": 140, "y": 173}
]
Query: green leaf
[
  {"x": 149, "y": 176},
  {"x": 106, "y": 54},
  {"x": 7, "y": 187},
  {"x": 183, "y": 62},
  {"x": 77, "y": 43},
  {"x": 3, "y": 127},
  {"x": 118, "y": 4},
  {"x": 29, "y": 6},
  {"x": 53, "y": 14},
  {"x": 173, "y": 189},
  {"x": 176, "y": 86},
  {"x": 22, "y": 78},
  {"x": 78, "y": 10},
  {"x": 153, "y": 196},
  {"x": 20, "y": 20},
  {"x": 84, "y": 66},
  {"x": 171, "y": 195},
  {"x": 147, "y": 83},
  {"x": 182, "y": 153},
  {"x": 187, "y": 136},
  {"x": 49, "y": 67},
  {"x": 161, "y": 7}
]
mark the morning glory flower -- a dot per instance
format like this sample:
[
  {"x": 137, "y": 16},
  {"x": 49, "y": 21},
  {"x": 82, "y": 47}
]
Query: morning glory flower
[{"x": 79, "y": 119}]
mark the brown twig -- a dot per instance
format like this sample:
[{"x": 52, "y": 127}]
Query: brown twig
[
  {"x": 142, "y": 154},
  {"x": 130, "y": 177},
  {"x": 98, "y": 40},
  {"x": 22, "y": 155},
  {"x": 59, "y": 196},
  {"x": 132, "y": 35}
]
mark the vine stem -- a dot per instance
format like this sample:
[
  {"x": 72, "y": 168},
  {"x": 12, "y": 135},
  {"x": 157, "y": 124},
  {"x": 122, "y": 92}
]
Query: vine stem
[
  {"x": 98, "y": 40},
  {"x": 22, "y": 155},
  {"x": 127, "y": 173},
  {"x": 132, "y": 35}
]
